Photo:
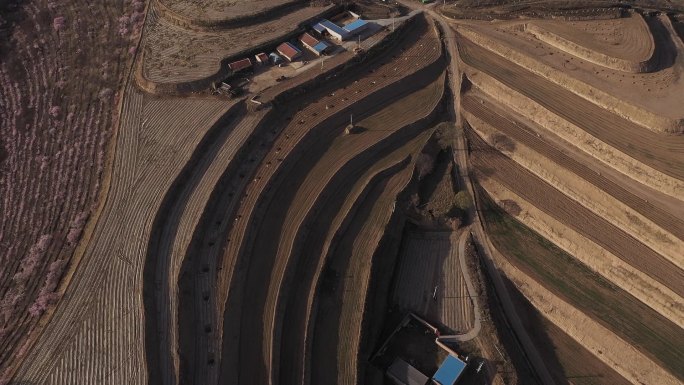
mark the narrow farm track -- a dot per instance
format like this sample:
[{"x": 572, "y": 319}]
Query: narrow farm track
[
  {"x": 659, "y": 151},
  {"x": 518, "y": 131},
  {"x": 351, "y": 97},
  {"x": 96, "y": 336},
  {"x": 496, "y": 165},
  {"x": 340, "y": 313}
]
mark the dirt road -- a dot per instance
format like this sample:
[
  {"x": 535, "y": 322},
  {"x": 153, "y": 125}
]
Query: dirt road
[{"x": 460, "y": 158}]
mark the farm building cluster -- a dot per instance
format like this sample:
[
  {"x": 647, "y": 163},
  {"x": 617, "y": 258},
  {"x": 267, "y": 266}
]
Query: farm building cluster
[
  {"x": 415, "y": 348},
  {"x": 318, "y": 40}
]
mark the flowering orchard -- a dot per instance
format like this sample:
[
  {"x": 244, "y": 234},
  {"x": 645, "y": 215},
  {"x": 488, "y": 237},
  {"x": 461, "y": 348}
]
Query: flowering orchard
[{"x": 61, "y": 64}]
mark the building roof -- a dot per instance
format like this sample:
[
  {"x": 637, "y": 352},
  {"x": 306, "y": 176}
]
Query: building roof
[
  {"x": 404, "y": 374},
  {"x": 288, "y": 50},
  {"x": 308, "y": 40},
  {"x": 334, "y": 28},
  {"x": 321, "y": 46},
  {"x": 318, "y": 28},
  {"x": 450, "y": 371},
  {"x": 240, "y": 64},
  {"x": 356, "y": 24}
]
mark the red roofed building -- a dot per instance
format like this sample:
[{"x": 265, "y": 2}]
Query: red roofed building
[
  {"x": 262, "y": 58},
  {"x": 289, "y": 51},
  {"x": 240, "y": 65},
  {"x": 308, "y": 40}
]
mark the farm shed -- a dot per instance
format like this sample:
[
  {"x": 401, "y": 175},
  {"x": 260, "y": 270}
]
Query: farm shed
[
  {"x": 402, "y": 373},
  {"x": 275, "y": 58},
  {"x": 356, "y": 26},
  {"x": 333, "y": 29},
  {"x": 262, "y": 58},
  {"x": 314, "y": 45},
  {"x": 240, "y": 65},
  {"x": 449, "y": 372},
  {"x": 289, "y": 51}
]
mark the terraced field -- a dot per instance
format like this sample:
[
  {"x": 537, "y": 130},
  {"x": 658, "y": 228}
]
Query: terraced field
[
  {"x": 576, "y": 231},
  {"x": 102, "y": 296},
  {"x": 160, "y": 235},
  {"x": 284, "y": 158},
  {"x": 656, "y": 150}
]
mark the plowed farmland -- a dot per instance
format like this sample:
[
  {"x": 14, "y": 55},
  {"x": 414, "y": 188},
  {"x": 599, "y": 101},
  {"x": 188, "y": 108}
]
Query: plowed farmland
[{"x": 315, "y": 125}]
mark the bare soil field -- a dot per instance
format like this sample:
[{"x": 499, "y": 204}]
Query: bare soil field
[
  {"x": 656, "y": 150},
  {"x": 344, "y": 309},
  {"x": 297, "y": 318},
  {"x": 174, "y": 54},
  {"x": 59, "y": 94},
  {"x": 173, "y": 230},
  {"x": 562, "y": 274},
  {"x": 310, "y": 120},
  {"x": 575, "y": 10}
]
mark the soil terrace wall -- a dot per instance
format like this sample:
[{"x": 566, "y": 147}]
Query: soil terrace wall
[
  {"x": 576, "y": 135},
  {"x": 636, "y": 114},
  {"x": 184, "y": 88}
]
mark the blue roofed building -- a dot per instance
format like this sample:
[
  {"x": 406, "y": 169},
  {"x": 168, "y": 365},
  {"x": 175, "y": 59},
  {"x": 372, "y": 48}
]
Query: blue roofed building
[
  {"x": 319, "y": 47},
  {"x": 333, "y": 29},
  {"x": 449, "y": 372},
  {"x": 357, "y": 26},
  {"x": 319, "y": 28}
]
